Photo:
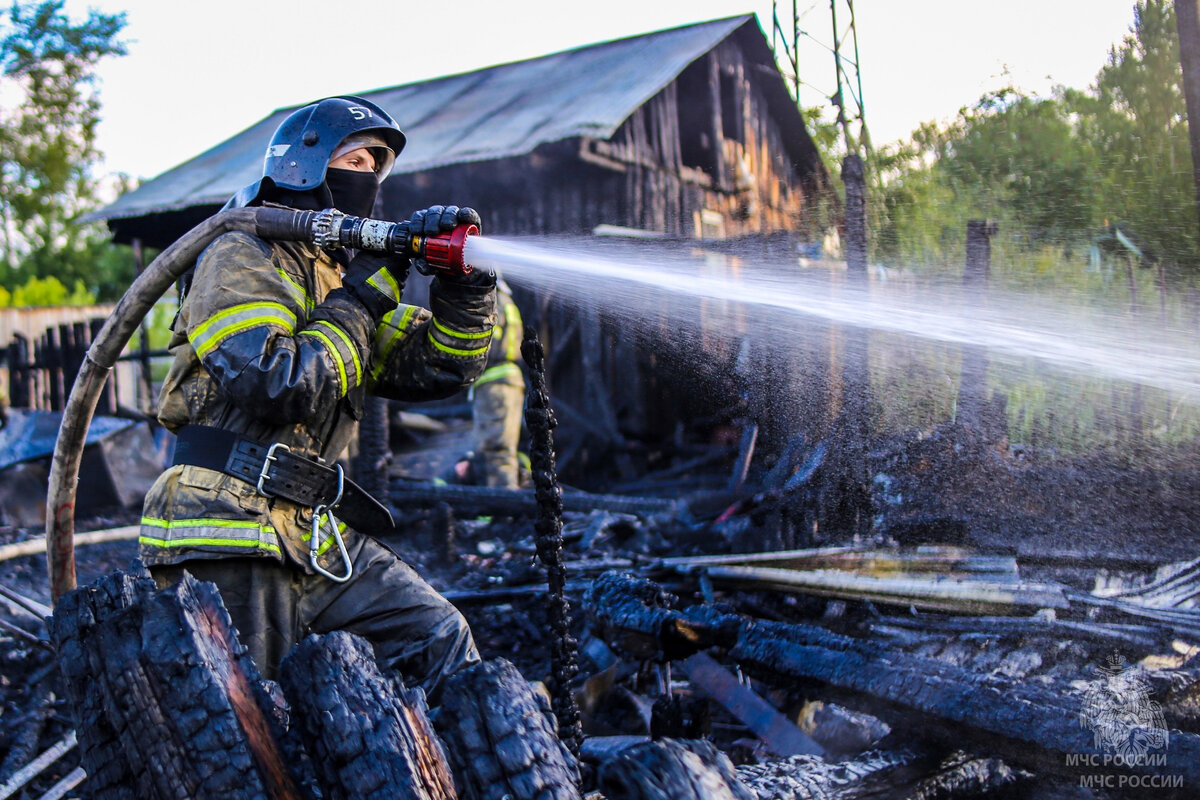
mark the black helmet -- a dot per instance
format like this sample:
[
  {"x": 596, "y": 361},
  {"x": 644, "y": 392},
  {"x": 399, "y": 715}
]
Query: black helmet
[{"x": 308, "y": 138}]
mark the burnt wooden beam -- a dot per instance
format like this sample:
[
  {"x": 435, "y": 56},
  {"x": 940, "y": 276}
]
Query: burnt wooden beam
[
  {"x": 166, "y": 701},
  {"x": 669, "y": 769},
  {"x": 635, "y": 616},
  {"x": 1021, "y": 712}
]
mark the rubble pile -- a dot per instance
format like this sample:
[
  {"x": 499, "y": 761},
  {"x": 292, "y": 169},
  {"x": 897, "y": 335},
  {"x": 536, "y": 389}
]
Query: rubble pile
[{"x": 935, "y": 658}]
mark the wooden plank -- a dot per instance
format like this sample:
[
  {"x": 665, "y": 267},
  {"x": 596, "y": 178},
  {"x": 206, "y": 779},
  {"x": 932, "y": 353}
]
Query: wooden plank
[
  {"x": 38, "y": 765},
  {"x": 775, "y": 730},
  {"x": 962, "y": 596}
]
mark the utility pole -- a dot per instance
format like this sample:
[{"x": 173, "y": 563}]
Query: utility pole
[
  {"x": 788, "y": 35},
  {"x": 846, "y": 490},
  {"x": 1187, "y": 21},
  {"x": 847, "y": 81}
]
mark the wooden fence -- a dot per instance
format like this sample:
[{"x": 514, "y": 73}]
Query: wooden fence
[{"x": 42, "y": 370}]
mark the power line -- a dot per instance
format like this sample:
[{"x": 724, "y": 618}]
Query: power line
[{"x": 848, "y": 96}]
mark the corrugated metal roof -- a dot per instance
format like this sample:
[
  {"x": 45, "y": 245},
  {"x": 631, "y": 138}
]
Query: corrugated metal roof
[{"x": 492, "y": 113}]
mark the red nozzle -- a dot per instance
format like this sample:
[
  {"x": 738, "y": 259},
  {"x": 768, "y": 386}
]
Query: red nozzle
[{"x": 445, "y": 251}]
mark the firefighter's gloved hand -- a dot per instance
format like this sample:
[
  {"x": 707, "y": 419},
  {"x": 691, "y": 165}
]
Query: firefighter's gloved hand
[
  {"x": 442, "y": 219},
  {"x": 377, "y": 280},
  {"x": 484, "y": 278},
  {"x": 437, "y": 220}
]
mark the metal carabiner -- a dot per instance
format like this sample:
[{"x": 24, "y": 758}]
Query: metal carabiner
[{"x": 314, "y": 538}]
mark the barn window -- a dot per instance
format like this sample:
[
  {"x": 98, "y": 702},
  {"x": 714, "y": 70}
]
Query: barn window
[
  {"x": 731, "y": 106},
  {"x": 697, "y": 119}
]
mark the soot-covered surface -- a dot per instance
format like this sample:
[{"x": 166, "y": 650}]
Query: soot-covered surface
[{"x": 1062, "y": 518}]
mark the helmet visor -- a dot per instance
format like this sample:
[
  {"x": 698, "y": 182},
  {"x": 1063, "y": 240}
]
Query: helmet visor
[{"x": 384, "y": 156}]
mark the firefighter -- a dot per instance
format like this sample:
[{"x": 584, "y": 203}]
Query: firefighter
[
  {"x": 497, "y": 400},
  {"x": 274, "y": 346}
]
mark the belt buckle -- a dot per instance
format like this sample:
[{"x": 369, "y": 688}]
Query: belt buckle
[{"x": 266, "y": 467}]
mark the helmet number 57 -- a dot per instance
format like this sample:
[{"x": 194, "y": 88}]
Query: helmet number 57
[{"x": 358, "y": 112}]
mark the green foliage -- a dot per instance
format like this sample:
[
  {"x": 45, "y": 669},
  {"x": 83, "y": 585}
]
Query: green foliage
[
  {"x": 40, "y": 292},
  {"x": 1137, "y": 121},
  {"x": 47, "y": 143},
  {"x": 1093, "y": 196},
  {"x": 1052, "y": 172},
  {"x": 914, "y": 215}
]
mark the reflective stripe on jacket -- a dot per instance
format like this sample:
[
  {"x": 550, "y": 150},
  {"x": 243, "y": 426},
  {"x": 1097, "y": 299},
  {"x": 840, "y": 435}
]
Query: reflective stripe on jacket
[
  {"x": 505, "y": 347},
  {"x": 266, "y": 345}
]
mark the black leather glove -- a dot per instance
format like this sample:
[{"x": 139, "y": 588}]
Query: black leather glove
[
  {"x": 377, "y": 280},
  {"x": 443, "y": 219}
]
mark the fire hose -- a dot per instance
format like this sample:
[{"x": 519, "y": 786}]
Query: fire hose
[{"x": 328, "y": 229}]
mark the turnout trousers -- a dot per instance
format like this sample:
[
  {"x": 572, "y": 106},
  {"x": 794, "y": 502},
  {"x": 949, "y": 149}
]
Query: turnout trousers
[
  {"x": 414, "y": 630},
  {"x": 496, "y": 419}
]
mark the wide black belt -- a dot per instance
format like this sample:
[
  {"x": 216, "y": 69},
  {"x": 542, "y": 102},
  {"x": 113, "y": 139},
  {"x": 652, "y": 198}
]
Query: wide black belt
[{"x": 278, "y": 471}]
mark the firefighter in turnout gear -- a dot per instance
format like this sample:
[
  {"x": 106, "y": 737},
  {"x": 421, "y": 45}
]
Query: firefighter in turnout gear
[
  {"x": 497, "y": 400},
  {"x": 274, "y": 346}
]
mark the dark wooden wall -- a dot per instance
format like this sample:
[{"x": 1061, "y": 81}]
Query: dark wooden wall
[{"x": 702, "y": 160}]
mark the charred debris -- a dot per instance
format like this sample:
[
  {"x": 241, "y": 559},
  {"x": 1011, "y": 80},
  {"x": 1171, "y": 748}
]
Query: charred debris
[{"x": 705, "y": 631}]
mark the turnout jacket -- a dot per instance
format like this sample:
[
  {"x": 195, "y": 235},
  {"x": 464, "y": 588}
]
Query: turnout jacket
[
  {"x": 268, "y": 345},
  {"x": 505, "y": 349}
]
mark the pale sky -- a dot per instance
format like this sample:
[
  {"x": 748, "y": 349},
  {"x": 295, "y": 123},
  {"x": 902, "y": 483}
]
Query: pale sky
[{"x": 198, "y": 73}]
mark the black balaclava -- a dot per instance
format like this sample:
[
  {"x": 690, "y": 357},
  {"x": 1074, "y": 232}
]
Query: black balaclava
[
  {"x": 353, "y": 192},
  {"x": 347, "y": 190}
]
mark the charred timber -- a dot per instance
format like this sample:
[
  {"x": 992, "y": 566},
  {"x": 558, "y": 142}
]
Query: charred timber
[
  {"x": 492, "y": 500},
  {"x": 635, "y": 617},
  {"x": 367, "y": 735},
  {"x": 167, "y": 702},
  {"x": 670, "y": 769}
]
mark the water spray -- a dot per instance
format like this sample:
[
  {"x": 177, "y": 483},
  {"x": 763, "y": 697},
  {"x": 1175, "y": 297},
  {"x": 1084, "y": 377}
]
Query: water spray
[{"x": 775, "y": 301}]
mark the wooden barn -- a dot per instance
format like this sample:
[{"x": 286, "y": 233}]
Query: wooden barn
[{"x": 682, "y": 135}]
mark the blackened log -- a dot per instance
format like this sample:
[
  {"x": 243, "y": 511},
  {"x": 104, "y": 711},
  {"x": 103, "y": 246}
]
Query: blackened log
[
  {"x": 167, "y": 702},
  {"x": 962, "y": 775},
  {"x": 672, "y": 769},
  {"x": 635, "y": 617},
  {"x": 368, "y": 736},
  {"x": 991, "y": 706},
  {"x": 1002, "y": 712},
  {"x": 500, "y": 740}
]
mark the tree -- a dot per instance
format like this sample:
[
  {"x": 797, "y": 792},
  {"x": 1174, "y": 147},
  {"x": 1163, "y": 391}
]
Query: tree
[
  {"x": 1136, "y": 119},
  {"x": 47, "y": 140},
  {"x": 1012, "y": 158},
  {"x": 1021, "y": 158}
]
